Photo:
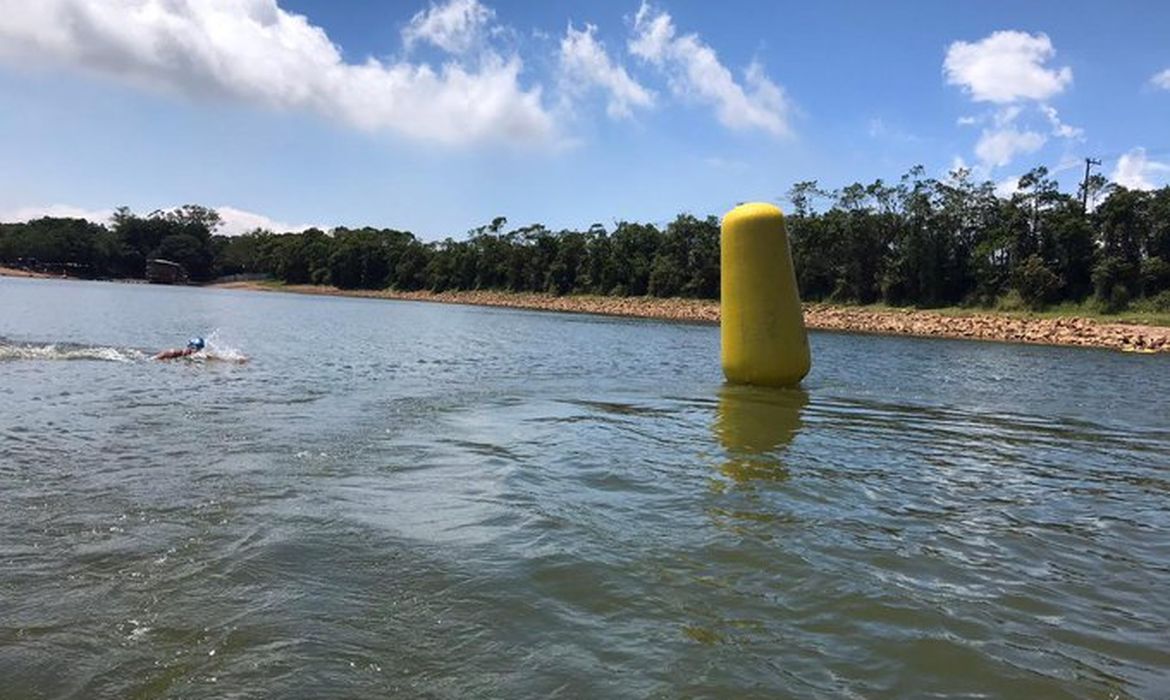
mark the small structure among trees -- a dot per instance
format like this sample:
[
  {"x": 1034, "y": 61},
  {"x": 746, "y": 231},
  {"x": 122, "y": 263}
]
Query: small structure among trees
[{"x": 159, "y": 271}]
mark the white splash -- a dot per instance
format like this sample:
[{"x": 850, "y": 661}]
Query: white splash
[
  {"x": 216, "y": 348},
  {"x": 66, "y": 351}
]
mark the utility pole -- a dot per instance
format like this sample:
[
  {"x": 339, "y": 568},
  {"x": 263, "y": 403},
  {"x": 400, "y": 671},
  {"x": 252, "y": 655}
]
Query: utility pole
[{"x": 1089, "y": 163}]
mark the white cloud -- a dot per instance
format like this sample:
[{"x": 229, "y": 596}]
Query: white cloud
[
  {"x": 1010, "y": 69},
  {"x": 654, "y": 35},
  {"x": 1162, "y": 79},
  {"x": 63, "y": 211},
  {"x": 1059, "y": 128},
  {"x": 1007, "y": 115},
  {"x": 1005, "y": 67},
  {"x": 456, "y": 27},
  {"x": 234, "y": 221},
  {"x": 998, "y": 147},
  {"x": 1005, "y": 188},
  {"x": 253, "y": 51},
  {"x": 238, "y": 221},
  {"x": 694, "y": 72},
  {"x": 1137, "y": 172},
  {"x": 585, "y": 63}
]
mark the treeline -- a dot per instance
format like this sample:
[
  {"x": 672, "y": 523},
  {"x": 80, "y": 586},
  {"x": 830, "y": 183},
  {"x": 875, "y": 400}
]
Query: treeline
[
  {"x": 930, "y": 242},
  {"x": 633, "y": 260},
  {"x": 120, "y": 250},
  {"x": 922, "y": 241}
]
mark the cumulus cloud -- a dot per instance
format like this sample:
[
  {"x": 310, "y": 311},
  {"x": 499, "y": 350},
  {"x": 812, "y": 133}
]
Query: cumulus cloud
[
  {"x": 1162, "y": 79},
  {"x": 62, "y": 211},
  {"x": 456, "y": 27},
  {"x": 1005, "y": 67},
  {"x": 998, "y": 147},
  {"x": 1012, "y": 71},
  {"x": 695, "y": 72},
  {"x": 234, "y": 221},
  {"x": 585, "y": 64},
  {"x": 253, "y": 51},
  {"x": 238, "y": 221},
  {"x": 1137, "y": 172}
]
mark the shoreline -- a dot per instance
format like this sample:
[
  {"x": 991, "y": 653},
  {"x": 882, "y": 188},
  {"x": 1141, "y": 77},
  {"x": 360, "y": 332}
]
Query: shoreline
[
  {"x": 17, "y": 272},
  {"x": 1066, "y": 331}
]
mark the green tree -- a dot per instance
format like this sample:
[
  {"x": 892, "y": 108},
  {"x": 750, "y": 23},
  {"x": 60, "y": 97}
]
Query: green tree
[
  {"x": 632, "y": 251},
  {"x": 187, "y": 250},
  {"x": 1037, "y": 285}
]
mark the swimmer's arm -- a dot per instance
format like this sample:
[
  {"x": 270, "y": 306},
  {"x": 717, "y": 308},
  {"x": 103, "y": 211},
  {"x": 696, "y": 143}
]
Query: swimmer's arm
[{"x": 171, "y": 354}]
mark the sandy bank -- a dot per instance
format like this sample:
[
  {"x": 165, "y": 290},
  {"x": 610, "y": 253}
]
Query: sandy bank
[
  {"x": 1073, "y": 331},
  {"x": 14, "y": 272}
]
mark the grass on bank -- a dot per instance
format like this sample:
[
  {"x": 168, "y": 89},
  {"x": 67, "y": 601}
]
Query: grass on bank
[{"x": 1143, "y": 312}]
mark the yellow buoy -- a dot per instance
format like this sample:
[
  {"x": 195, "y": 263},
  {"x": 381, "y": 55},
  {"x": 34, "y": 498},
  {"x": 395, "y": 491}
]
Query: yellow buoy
[{"x": 763, "y": 337}]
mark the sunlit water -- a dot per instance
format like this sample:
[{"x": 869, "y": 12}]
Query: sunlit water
[{"x": 419, "y": 500}]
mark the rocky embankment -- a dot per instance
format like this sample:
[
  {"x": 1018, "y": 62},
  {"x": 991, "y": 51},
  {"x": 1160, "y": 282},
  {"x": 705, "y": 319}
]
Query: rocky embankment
[
  {"x": 1074, "y": 331},
  {"x": 1045, "y": 331}
]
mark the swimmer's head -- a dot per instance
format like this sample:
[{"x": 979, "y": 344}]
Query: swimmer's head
[{"x": 195, "y": 344}]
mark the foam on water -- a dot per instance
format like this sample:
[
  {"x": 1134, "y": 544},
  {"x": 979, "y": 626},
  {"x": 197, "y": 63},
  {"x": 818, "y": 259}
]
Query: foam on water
[
  {"x": 67, "y": 351},
  {"x": 216, "y": 349}
]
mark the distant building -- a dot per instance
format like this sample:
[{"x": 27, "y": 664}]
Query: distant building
[{"x": 160, "y": 271}]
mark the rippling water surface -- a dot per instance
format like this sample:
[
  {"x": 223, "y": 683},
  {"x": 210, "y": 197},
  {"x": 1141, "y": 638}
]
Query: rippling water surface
[{"x": 407, "y": 499}]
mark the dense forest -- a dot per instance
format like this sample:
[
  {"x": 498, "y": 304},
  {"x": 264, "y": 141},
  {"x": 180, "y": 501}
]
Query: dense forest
[{"x": 923, "y": 242}]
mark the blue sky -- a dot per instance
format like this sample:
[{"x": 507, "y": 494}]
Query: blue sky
[{"x": 438, "y": 116}]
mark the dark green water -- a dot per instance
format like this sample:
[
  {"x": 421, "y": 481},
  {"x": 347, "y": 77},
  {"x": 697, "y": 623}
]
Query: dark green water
[{"x": 415, "y": 500}]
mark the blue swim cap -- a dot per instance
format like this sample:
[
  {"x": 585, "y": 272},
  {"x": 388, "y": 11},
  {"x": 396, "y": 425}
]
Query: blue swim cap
[{"x": 195, "y": 343}]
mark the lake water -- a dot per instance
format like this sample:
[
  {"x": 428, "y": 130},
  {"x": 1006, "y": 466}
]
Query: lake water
[{"x": 422, "y": 500}]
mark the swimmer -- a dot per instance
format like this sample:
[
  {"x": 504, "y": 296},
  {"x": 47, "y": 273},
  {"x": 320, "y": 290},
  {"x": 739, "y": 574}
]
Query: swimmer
[{"x": 194, "y": 345}]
